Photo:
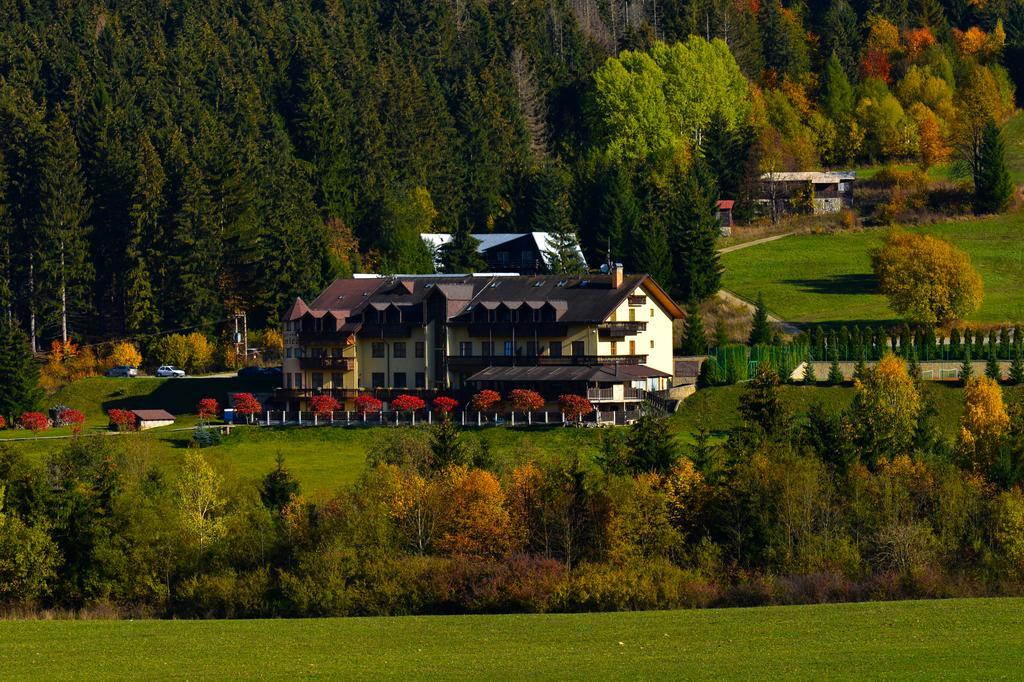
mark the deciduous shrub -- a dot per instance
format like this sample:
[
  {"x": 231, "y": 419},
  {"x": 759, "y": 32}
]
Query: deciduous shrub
[
  {"x": 124, "y": 353},
  {"x": 367, "y": 403},
  {"x": 246, "y": 405},
  {"x": 575, "y": 407},
  {"x": 444, "y": 404},
  {"x": 208, "y": 408},
  {"x": 525, "y": 400},
  {"x": 3, "y": 423},
  {"x": 122, "y": 420},
  {"x": 485, "y": 400},
  {"x": 34, "y": 421},
  {"x": 408, "y": 403},
  {"x": 72, "y": 418},
  {"x": 324, "y": 405}
]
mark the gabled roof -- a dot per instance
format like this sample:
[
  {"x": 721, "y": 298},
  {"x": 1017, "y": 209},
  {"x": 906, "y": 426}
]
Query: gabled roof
[
  {"x": 810, "y": 176},
  {"x": 153, "y": 415},
  {"x": 490, "y": 240},
  {"x": 295, "y": 310}
]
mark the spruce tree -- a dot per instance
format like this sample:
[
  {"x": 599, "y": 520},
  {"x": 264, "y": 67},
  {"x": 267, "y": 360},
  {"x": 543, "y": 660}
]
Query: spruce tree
[
  {"x": 651, "y": 445},
  {"x": 809, "y": 377},
  {"x": 695, "y": 341},
  {"x": 651, "y": 252},
  {"x": 19, "y": 375},
  {"x": 148, "y": 206},
  {"x": 618, "y": 217},
  {"x": 913, "y": 366},
  {"x": 954, "y": 343},
  {"x": 194, "y": 258},
  {"x": 860, "y": 370},
  {"x": 1016, "y": 376},
  {"x": 460, "y": 255},
  {"x": 723, "y": 151},
  {"x": 693, "y": 236},
  {"x": 7, "y": 235},
  {"x": 278, "y": 487},
  {"x": 761, "y": 329},
  {"x": 65, "y": 268},
  {"x": 837, "y": 93},
  {"x": 992, "y": 370},
  {"x": 446, "y": 444},
  {"x": 835, "y": 373},
  {"x": 721, "y": 333},
  {"x": 993, "y": 187},
  {"x": 966, "y": 367}
]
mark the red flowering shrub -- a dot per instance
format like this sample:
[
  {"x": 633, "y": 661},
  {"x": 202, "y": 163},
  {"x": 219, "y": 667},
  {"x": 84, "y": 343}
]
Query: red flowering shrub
[
  {"x": 3, "y": 423},
  {"x": 73, "y": 418},
  {"x": 575, "y": 407},
  {"x": 247, "y": 405},
  {"x": 208, "y": 408},
  {"x": 485, "y": 400},
  {"x": 367, "y": 403},
  {"x": 444, "y": 404},
  {"x": 525, "y": 400},
  {"x": 408, "y": 403},
  {"x": 123, "y": 420},
  {"x": 34, "y": 421},
  {"x": 323, "y": 405}
]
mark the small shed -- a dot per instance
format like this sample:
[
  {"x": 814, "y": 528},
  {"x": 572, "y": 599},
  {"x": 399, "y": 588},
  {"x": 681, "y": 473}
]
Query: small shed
[
  {"x": 151, "y": 419},
  {"x": 724, "y": 207}
]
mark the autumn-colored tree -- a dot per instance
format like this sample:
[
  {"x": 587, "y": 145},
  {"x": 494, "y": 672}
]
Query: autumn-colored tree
[
  {"x": 485, "y": 400},
  {"x": 885, "y": 409},
  {"x": 444, "y": 404},
  {"x": 1009, "y": 531},
  {"x": 72, "y": 418},
  {"x": 418, "y": 506},
  {"x": 525, "y": 400},
  {"x": 3, "y": 423},
  {"x": 931, "y": 147},
  {"x": 123, "y": 420},
  {"x": 408, "y": 403},
  {"x": 367, "y": 403},
  {"x": 208, "y": 408},
  {"x": 272, "y": 343},
  {"x": 124, "y": 353},
  {"x": 917, "y": 40},
  {"x": 324, "y": 405},
  {"x": 984, "y": 423},
  {"x": 246, "y": 405},
  {"x": 687, "y": 494},
  {"x": 926, "y": 279},
  {"x": 34, "y": 421},
  {"x": 574, "y": 407},
  {"x": 477, "y": 523},
  {"x": 200, "y": 501}
]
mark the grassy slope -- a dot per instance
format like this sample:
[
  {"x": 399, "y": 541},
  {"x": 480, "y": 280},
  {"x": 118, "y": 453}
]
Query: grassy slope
[
  {"x": 827, "y": 278},
  {"x": 327, "y": 459},
  {"x": 976, "y": 638}
]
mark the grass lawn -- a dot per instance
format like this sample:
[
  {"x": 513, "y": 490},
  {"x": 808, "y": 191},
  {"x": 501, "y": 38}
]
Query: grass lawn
[
  {"x": 827, "y": 278},
  {"x": 981, "y": 638}
]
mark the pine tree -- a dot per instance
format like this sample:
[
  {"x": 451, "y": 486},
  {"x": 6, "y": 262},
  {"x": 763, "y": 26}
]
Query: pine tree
[
  {"x": 651, "y": 445},
  {"x": 993, "y": 186},
  {"x": 446, "y": 445},
  {"x": 278, "y": 487},
  {"x": 19, "y": 374},
  {"x": 7, "y": 235},
  {"x": 954, "y": 342},
  {"x": 550, "y": 213},
  {"x": 723, "y": 151},
  {"x": 761, "y": 329},
  {"x": 835, "y": 373},
  {"x": 913, "y": 366},
  {"x": 460, "y": 255},
  {"x": 809, "y": 377},
  {"x": 860, "y": 370},
  {"x": 65, "y": 269},
  {"x": 693, "y": 237},
  {"x": 147, "y": 211},
  {"x": 966, "y": 367},
  {"x": 840, "y": 39},
  {"x": 651, "y": 253},
  {"x": 721, "y": 333},
  {"x": 618, "y": 216},
  {"x": 194, "y": 257},
  {"x": 992, "y": 370},
  {"x": 694, "y": 339},
  {"x": 837, "y": 95},
  {"x": 1017, "y": 368}
]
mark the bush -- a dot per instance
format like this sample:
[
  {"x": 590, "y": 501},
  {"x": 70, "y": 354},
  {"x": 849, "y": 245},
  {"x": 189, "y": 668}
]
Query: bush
[
  {"x": 525, "y": 400},
  {"x": 324, "y": 405},
  {"x": 654, "y": 584},
  {"x": 367, "y": 403},
  {"x": 574, "y": 407},
  {"x": 204, "y": 437},
  {"x": 485, "y": 400},
  {"x": 122, "y": 420},
  {"x": 34, "y": 421},
  {"x": 192, "y": 352},
  {"x": 408, "y": 403},
  {"x": 246, "y": 405},
  {"x": 124, "y": 353},
  {"x": 72, "y": 418},
  {"x": 444, "y": 404},
  {"x": 208, "y": 408},
  {"x": 3, "y": 423}
]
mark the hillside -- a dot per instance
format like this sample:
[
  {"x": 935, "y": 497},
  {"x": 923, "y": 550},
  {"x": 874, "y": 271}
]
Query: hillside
[{"x": 848, "y": 641}]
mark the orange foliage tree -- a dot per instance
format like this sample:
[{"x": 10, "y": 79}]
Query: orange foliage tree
[
  {"x": 984, "y": 423},
  {"x": 477, "y": 523},
  {"x": 525, "y": 400},
  {"x": 484, "y": 400},
  {"x": 575, "y": 407},
  {"x": 324, "y": 405}
]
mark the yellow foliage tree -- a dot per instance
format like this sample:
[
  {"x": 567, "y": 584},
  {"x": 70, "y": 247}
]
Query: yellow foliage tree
[
  {"x": 124, "y": 353},
  {"x": 984, "y": 423},
  {"x": 931, "y": 148},
  {"x": 885, "y": 409},
  {"x": 200, "y": 501},
  {"x": 1010, "y": 531},
  {"x": 477, "y": 523},
  {"x": 927, "y": 279},
  {"x": 686, "y": 492}
]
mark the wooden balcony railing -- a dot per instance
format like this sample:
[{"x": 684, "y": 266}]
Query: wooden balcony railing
[
  {"x": 620, "y": 329},
  {"x": 336, "y": 364}
]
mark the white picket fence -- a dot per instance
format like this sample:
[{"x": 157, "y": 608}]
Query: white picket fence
[{"x": 464, "y": 418}]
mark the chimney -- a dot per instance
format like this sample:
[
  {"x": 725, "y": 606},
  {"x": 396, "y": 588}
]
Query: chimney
[{"x": 618, "y": 272}]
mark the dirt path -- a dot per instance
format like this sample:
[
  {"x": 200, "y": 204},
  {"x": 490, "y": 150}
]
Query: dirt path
[
  {"x": 755, "y": 242},
  {"x": 786, "y": 327}
]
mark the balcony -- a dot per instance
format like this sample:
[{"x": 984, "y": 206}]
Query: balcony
[
  {"x": 385, "y": 331},
  {"x": 620, "y": 330},
  {"x": 615, "y": 394},
  {"x": 464, "y": 362},
  {"x": 311, "y": 337},
  {"x": 336, "y": 364},
  {"x": 523, "y": 329},
  {"x": 636, "y": 300}
]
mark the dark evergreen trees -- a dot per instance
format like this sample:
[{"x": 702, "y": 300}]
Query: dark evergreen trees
[
  {"x": 650, "y": 445},
  {"x": 618, "y": 217},
  {"x": 651, "y": 252},
  {"x": 19, "y": 375},
  {"x": 761, "y": 329},
  {"x": 278, "y": 487},
  {"x": 993, "y": 187},
  {"x": 695, "y": 340},
  {"x": 460, "y": 254},
  {"x": 693, "y": 236},
  {"x": 835, "y": 373}
]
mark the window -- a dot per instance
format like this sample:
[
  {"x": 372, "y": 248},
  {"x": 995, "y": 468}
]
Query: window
[
  {"x": 298, "y": 353},
  {"x": 379, "y": 349},
  {"x": 336, "y": 380},
  {"x": 400, "y": 380},
  {"x": 465, "y": 348},
  {"x": 556, "y": 349},
  {"x": 652, "y": 313},
  {"x": 288, "y": 352},
  {"x": 318, "y": 379},
  {"x": 615, "y": 348},
  {"x": 486, "y": 348},
  {"x": 577, "y": 348},
  {"x": 335, "y": 352},
  {"x": 298, "y": 380},
  {"x": 377, "y": 380},
  {"x": 398, "y": 349},
  {"x": 632, "y": 314},
  {"x": 632, "y": 347},
  {"x": 531, "y": 349},
  {"x": 526, "y": 257},
  {"x": 503, "y": 258},
  {"x": 508, "y": 348},
  {"x": 421, "y": 349},
  {"x": 652, "y": 343},
  {"x": 421, "y": 380},
  {"x": 288, "y": 380}
]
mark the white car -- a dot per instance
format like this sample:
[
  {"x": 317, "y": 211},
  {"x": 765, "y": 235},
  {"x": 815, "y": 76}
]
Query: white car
[{"x": 169, "y": 371}]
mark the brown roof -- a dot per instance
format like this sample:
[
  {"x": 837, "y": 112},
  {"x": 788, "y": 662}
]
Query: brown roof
[
  {"x": 153, "y": 415},
  {"x": 606, "y": 373}
]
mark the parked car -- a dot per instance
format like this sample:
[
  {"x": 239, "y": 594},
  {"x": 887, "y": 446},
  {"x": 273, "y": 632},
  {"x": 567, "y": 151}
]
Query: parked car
[
  {"x": 169, "y": 371},
  {"x": 271, "y": 372},
  {"x": 123, "y": 371}
]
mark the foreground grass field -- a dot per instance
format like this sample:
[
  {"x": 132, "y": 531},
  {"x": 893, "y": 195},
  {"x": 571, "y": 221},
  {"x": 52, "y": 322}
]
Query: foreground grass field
[
  {"x": 827, "y": 278},
  {"x": 957, "y": 638}
]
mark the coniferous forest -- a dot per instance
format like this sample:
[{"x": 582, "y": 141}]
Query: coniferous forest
[{"x": 163, "y": 164}]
